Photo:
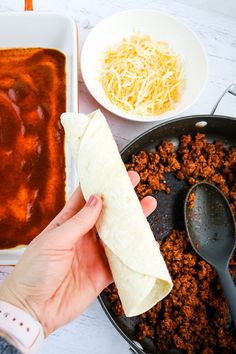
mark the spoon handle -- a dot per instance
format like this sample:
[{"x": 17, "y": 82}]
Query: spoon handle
[{"x": 229, "y": 291}]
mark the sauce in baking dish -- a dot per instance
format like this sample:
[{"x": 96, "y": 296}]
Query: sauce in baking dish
[{"x": 32, "y": 163}]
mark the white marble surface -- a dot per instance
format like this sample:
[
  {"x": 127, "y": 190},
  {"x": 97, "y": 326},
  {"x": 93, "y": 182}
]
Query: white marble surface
[{"x": 214, "y": 21}]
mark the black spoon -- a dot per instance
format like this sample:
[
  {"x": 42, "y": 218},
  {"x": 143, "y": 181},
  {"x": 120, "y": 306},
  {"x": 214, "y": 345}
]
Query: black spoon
[{"x": 211, "y": 229}]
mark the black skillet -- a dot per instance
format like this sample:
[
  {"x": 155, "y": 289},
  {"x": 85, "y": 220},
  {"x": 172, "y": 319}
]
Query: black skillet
[{"x": 169, "y": 214}]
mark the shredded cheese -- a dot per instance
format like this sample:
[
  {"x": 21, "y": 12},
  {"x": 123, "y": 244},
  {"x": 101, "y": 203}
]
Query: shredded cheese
[{"x": 142, "y": 76}]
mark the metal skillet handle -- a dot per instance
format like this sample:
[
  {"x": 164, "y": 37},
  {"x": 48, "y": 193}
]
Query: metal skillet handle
[
  {"x": 28, "y": 5},
  {"x": 132, "y": 351},
  {"x": 137, "y": 348},
  {"x": 231, "y": 89}
]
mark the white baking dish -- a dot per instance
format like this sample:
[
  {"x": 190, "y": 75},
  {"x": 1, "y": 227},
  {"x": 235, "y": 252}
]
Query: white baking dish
[{"x": 46, "y": 30}]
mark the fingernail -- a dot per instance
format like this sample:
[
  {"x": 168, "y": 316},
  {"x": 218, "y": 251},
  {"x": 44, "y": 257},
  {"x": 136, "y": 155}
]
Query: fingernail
[{"x": 93, "y": 200}]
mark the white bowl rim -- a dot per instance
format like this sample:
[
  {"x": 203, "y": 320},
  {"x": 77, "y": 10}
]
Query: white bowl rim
[{"x": 142, "y": 118}]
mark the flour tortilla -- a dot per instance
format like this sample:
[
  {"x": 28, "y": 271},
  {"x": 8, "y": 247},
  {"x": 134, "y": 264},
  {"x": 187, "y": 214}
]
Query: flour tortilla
[{"x": 137, "y": 266}]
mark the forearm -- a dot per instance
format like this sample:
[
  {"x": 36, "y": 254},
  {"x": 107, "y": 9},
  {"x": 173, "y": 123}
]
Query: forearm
[{"x": 7, "y": 344}]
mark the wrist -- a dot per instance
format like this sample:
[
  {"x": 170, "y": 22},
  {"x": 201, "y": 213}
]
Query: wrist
[{"x": 14, "y": 299}]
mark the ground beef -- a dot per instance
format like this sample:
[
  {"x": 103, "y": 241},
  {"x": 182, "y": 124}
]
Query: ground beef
[
  {"x": 191, "y": 200},
  {"x": 194, "y": 317}
]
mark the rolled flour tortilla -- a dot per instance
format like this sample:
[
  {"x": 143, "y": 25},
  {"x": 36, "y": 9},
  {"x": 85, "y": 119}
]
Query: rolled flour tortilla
[{"x": 137, "y": 266}]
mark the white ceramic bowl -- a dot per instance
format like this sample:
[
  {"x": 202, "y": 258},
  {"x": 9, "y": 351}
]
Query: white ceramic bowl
[{"x": 160, "y": 27}]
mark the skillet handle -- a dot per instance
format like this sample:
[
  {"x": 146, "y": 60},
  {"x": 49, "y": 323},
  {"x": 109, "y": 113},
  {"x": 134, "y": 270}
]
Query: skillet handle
[
  {"x": 136, "y": 348},
  {"x": 136, "y": 351},
  {"x": 231, "y": 89},
  {"x": 28, "y": 5}
]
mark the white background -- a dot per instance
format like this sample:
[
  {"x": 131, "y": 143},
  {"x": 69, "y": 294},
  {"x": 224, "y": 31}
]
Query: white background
[{"x": 214, "y": 21}]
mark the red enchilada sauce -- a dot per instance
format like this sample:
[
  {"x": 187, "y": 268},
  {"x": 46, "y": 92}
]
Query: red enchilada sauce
[{"x": 32, "y": 166}]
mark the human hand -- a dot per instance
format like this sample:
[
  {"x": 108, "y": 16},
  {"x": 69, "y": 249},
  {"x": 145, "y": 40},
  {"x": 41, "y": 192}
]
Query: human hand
[{"x": 64, "y": 268}]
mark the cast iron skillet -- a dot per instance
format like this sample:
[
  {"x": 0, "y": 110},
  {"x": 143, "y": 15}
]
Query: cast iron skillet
[{"x": 169, "y": 214}]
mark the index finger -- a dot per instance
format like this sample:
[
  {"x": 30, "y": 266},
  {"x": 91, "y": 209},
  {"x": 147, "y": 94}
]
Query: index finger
[
  {"x": 134, "y": 176},
  {"x": 72, "y": 206},
  {"x": 77, "y": 201}
]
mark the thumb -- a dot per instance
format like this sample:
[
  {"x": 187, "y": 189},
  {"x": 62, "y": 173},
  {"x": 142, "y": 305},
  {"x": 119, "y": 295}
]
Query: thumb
[{"x": 69, "y": 233}]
